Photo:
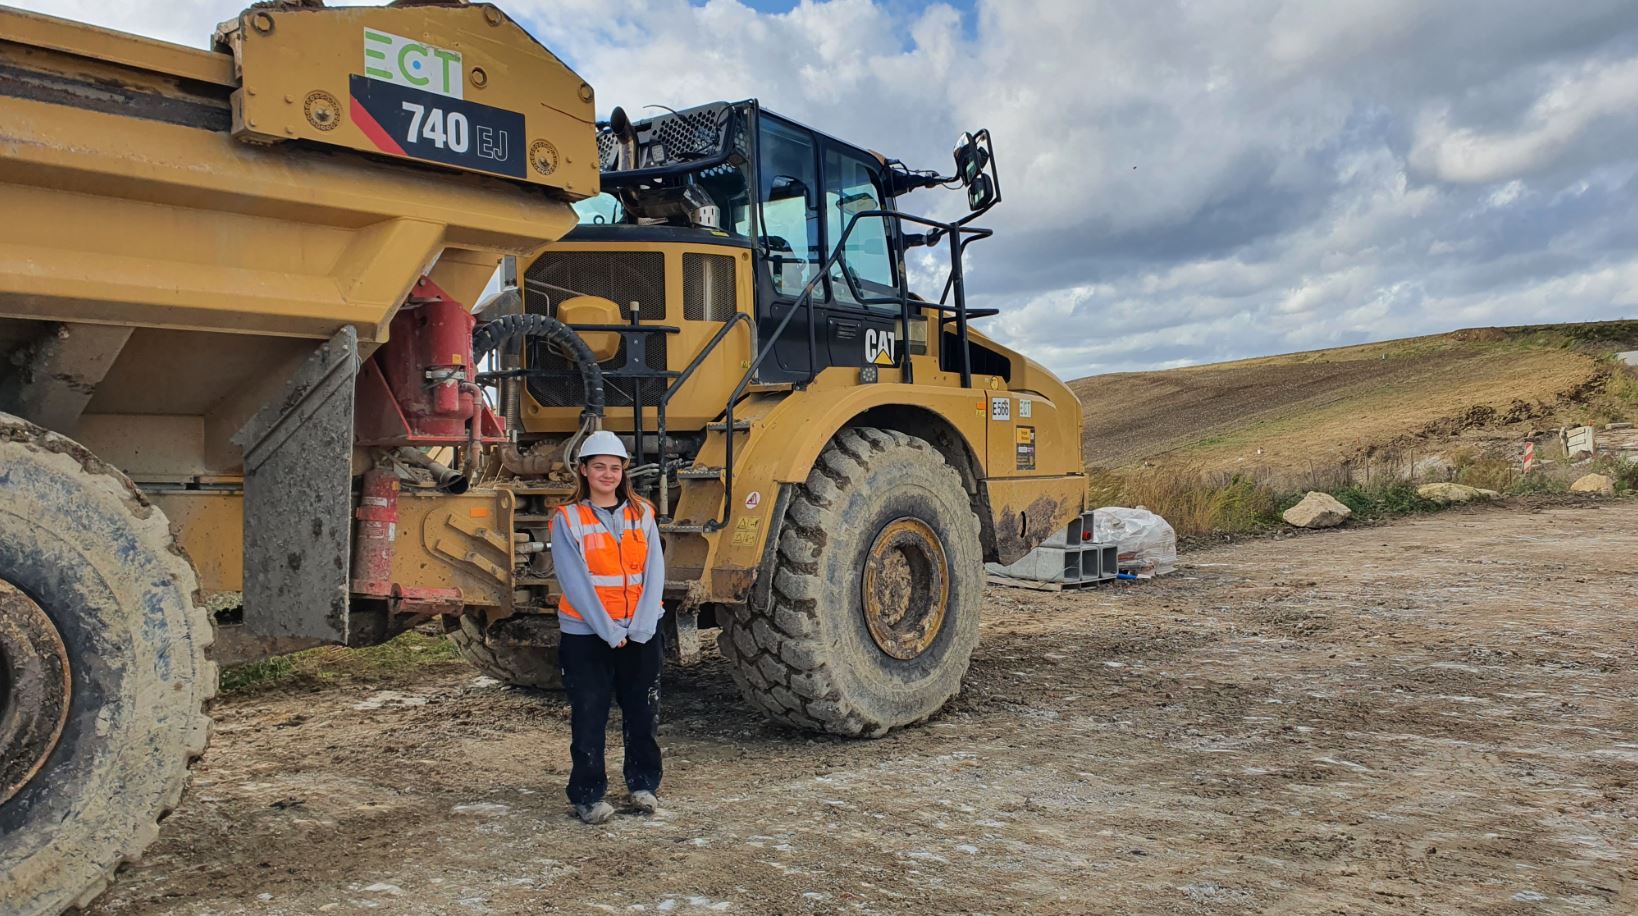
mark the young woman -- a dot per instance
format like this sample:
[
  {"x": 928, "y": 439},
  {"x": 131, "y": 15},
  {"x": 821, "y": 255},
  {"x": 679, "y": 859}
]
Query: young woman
[{"x": 606, "y": 549}]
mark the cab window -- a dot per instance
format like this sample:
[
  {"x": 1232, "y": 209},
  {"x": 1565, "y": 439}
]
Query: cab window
[
  {"x": 790, "y": 208},
  {"x": 852, "y": 187}
]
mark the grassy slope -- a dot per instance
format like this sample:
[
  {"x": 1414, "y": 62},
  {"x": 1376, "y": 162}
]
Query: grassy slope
[{"x": 1323, "y": 406}]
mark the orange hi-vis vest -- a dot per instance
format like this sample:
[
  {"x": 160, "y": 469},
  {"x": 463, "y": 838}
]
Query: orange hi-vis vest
[{"x": 616, "y": 567}]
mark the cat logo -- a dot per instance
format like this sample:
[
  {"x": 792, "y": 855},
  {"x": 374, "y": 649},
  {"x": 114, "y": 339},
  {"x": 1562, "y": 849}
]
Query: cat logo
[{"x": 878, "y": 347}]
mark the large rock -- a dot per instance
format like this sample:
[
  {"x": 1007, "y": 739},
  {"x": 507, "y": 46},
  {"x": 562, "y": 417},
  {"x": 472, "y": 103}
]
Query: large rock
[
  {"x": 1433, "y": 466},
  {"x": 1317, "y": 510},
  {"x": 1446, "y": 493},
  {"x": 1594, "y": 483}
]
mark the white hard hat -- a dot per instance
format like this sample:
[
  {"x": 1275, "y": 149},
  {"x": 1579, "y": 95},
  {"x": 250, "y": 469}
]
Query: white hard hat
[{"x": 603, "y": 442}]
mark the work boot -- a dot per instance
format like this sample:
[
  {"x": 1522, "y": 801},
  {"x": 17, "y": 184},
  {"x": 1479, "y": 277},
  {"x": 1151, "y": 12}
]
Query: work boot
[
  {"x": 596, "y": 812},
  {"x": 644, "y": 801}
]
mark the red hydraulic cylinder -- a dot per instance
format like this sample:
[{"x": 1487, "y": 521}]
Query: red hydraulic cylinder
[
  {"x": 428, "y": 356},
  {"x": 417, "y": 389}
]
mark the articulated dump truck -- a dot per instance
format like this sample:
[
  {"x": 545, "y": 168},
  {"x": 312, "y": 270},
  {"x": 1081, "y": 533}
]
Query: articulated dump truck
[{"x": 252, "y": 390}]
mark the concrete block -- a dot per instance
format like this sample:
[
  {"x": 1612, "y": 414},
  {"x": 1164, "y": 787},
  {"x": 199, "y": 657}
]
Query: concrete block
[{"x": 1580, "y": 442}]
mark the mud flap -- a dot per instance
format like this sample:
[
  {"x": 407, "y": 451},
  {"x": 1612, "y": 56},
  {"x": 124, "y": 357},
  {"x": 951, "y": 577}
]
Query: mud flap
[
  {"x": 682, "y": 636},
  {"x": 681, "y": 624},
  {"x": 298, "y": 503}
]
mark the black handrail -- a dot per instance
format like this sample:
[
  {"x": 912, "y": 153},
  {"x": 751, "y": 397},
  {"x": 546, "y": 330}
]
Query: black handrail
[
  {"x": 960, "y": 236},
  {"x": 676, "y": 385}
]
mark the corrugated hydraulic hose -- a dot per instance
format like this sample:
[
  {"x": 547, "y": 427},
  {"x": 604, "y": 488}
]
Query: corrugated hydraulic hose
[{"x": 492, "y": 334}]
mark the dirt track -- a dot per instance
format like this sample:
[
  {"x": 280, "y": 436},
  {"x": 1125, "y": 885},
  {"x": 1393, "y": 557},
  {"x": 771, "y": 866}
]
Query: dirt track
[{"x": 1438, "y": 716}]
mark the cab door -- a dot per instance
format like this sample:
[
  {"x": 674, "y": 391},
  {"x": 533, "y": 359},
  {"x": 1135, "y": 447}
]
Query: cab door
[
  {"x": 810, "y": 187},
  {"x": 862, "y": 314},
  {"x": 788, "y": 249}
]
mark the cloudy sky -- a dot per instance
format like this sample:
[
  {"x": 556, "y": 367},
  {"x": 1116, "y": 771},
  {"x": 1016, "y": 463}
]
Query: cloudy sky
[{"x": 1184, "y": 181}]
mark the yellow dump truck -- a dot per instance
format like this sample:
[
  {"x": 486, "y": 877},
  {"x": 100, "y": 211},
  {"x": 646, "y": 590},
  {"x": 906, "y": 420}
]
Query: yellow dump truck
[{"x": 251, "y": 384}]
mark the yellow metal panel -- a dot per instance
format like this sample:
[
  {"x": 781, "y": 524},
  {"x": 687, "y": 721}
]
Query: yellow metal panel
[
  {"x": 804, "y": 422},
  {"x": 1053, "y": 426},
  {"x": 148, "y": 448},
  {"x": 210, "y": 525},
  {"x": 340, "y": 76},
  {"x": 449, "y": 541},
  {"x": 1027, "y": 510},
  {"x": 464, "y": 274},
  {"x": 128, "y": 221}
]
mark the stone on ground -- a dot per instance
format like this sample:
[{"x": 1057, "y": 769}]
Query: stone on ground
[
  {"x": 1317, "y": 510},
  {"x": 1447, "y": 493},
  {"x": 1594, "y": 483}
]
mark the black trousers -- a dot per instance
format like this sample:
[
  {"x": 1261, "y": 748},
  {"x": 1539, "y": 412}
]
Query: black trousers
[{"x": 593, "y": 675}]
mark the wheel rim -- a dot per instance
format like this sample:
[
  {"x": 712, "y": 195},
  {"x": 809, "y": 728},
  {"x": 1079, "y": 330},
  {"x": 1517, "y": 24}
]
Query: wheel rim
[
  {"x": 35, "y": 689},
  {"x": 906, "y": 588}
]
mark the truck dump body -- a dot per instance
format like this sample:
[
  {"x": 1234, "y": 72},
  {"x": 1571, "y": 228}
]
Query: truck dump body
[{"x": 138, "y": 195}]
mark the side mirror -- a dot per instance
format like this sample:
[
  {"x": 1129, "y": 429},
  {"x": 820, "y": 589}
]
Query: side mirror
[{"x": 975, "y": 167}]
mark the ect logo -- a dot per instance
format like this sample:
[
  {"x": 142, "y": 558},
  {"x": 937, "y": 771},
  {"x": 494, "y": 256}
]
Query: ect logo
[
  {"x": 878, "y": 347},
  {"x": 407, "y": 62}
]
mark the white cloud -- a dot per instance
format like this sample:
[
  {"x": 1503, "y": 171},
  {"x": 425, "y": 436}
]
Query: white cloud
[
  {"x": 1506, "y": 195},
  {"x": 1184, "y": 181},
  {"x": 1558, "y": 120}
]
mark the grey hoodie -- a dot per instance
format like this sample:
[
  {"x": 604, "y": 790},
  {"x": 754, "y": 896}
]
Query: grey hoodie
[{"x": 570, "y": 563}]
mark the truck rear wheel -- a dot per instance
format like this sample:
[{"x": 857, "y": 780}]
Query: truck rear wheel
[
  {"x": 872, "y": 614},
  {"x": 103, "y": 674},
  {"x": 520, "y": 666}
]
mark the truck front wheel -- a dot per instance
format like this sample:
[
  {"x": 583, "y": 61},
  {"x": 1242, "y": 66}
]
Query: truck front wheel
[
  {"x": 103, "y": 675},
  {"x": 872, "y": 614}
]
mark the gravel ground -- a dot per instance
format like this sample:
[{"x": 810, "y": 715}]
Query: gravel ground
[{"x": 1435, "y": 716}]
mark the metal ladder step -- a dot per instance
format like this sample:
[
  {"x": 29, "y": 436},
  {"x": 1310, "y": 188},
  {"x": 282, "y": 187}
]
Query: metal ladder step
[
  {"x": 683, "y": 528},
  {"x": 739, "y": 426},
  {"x": 699, "y": 472}
]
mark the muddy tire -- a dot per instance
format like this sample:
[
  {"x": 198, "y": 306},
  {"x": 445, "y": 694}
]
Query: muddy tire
[
  {"x": 534, "y": 666},
  {"x": 93, "y": 563},
  {"x": 872, "y": 614}
]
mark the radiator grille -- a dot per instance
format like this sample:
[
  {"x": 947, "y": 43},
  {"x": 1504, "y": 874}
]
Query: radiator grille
[
  {"x": 622, "y": 276},
  {"x": 708, "y": 287}
]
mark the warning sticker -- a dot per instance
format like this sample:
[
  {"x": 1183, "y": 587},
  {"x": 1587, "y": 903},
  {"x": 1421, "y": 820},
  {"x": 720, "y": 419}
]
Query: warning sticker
[
  {"x": 746, "y": 531},
  {"x": 1025, "y": 436}
]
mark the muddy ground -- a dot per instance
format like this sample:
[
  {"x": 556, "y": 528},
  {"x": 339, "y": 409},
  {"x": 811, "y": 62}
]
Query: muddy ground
[{"x": 1439, "y": 716}]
